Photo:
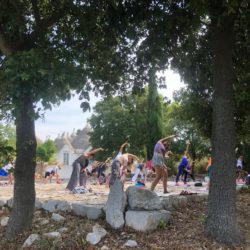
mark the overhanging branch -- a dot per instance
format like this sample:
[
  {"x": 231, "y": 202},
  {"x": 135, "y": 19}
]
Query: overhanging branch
[{"x": 41, "y": 29}]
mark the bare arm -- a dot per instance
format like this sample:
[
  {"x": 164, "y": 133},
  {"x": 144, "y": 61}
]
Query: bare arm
[
  {"x": 123, "y": 146},
  {"x": 166, "y": 138},
  {"x": 94, "y": 151},
  {"x": 187, "y": 148},
  {"x": 108, "y": 159}
]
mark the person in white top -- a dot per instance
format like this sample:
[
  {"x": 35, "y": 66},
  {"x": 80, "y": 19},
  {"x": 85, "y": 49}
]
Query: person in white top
[
  {"x": 7, "y": 170},
  {"x": 120, "y": 164},
  {"x": 239, "y": 164},
  {"x": 52, "y": 171}
]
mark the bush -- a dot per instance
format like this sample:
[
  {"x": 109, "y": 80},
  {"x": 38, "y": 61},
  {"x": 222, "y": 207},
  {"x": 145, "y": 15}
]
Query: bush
[{"x": 200, "y": 166}]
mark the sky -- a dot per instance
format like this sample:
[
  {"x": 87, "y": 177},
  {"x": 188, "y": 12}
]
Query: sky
[{"x": 69, "y": 116}]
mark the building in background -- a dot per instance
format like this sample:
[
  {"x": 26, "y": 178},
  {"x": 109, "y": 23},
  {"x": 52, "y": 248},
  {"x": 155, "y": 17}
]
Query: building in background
[{"x": 69, "y": 147}]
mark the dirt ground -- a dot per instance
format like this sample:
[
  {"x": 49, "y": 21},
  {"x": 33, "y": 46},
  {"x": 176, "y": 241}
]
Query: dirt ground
[
  {"x": 99, "y": 194},
  {"x": 184, "y": 232}
]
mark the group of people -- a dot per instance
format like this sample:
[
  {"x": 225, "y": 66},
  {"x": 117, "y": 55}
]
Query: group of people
[{"x": 107, "y": 172}]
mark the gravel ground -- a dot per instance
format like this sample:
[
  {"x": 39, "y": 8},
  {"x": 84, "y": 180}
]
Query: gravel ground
[{"x": 184, "y": 232}]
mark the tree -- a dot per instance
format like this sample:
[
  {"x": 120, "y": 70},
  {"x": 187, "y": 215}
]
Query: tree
[
  {"x": 154, "y": 115},
  {"x": 177, "y": 121},
  {"x": 197, "y": 39},
  {"x": 47, "y": 49},
  {"x": 115, "y": 119},
  {"x": 46, "y": 151},
  {"x": 222, "y": 193}
]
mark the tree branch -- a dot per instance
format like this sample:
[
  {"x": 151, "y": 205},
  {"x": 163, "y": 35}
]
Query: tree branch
[{"x": 41, "y": 29}]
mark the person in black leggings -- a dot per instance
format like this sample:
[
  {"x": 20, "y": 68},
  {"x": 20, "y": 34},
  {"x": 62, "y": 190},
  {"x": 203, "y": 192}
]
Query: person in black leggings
[{"x": 79, "y": 174}]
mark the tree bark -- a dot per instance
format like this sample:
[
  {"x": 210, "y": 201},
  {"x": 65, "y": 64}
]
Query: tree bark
[
  {"x": 221, "y": 222},
  {"x": 24, "y": 186}
]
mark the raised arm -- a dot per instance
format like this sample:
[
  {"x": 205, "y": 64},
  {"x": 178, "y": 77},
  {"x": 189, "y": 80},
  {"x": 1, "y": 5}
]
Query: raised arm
[
  {"x": 94, "y": 151},
  {"x": 108, "y": 159},
  {"x": 166, "y": 138},
  {"x": 122, "y": 147},
  {"x": 187, "y": 148}
]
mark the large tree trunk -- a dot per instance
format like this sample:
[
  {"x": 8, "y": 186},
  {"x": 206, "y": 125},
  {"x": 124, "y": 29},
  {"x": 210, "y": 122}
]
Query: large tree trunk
[
  {"x": 221, "y": 221},
  {"x": 24, "y": 186}
]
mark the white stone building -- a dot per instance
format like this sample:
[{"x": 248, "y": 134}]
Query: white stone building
[{"x": 70, "y": 147}]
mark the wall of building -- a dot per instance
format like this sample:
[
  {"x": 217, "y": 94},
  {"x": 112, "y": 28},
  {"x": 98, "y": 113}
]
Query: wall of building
[{"x": 66, "y": 169}]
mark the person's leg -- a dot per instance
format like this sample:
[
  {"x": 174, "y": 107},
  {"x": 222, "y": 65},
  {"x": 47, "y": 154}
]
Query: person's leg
[
  {"x": 165, "y": 179},
  {"x": 180, "y": 171},
  {"x": 185, "y": 173},
  {"x": 83, "y": 179},
  {"x": 58, "y": 181},
  {"x": 107, "y": 183},
  {"x": 10, "y": 178},
  {"x": 74, "y": 178},
  {"x": 137, "y": 171},
  {"x": 157, "y": 177},
  {"x": 192, "y": 176}
]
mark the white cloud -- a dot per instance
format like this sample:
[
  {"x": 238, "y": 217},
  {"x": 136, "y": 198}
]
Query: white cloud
[{"x": 69, "y": 115}]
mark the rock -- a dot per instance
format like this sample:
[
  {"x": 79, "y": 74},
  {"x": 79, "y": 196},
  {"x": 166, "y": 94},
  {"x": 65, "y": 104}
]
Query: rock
[
  {"x": 146, "y": 220},
  {"x": 115, "y": 205},
  {"x": 63, "y": 229},
  {"x": 93, "y": 238},
  {"x": 38, "y": 204},
  {"x": 131, "y": 243},
  {"x": 30, "y": 240},
  {"x": 52, "y": 235},
  {"x": 2, "y": 203},
  {"x": 104, "y": 248},
  {"x": 143, "y": 199},
  {"x": 57, "y": 217},
  {"x": 197, "y": 197},
  {"x": 97, "y": 234},
  {"x": 100, "y": 230},
  {"x": 95, "y": 212},
  {"x": 92, "y": 212},
  {"x": 180, "y": 201},
  {"x": 4, "y": 221},
  {"x": 44, "y": 222},
  {"x": 167, "y": 203},
  {"x": 64, "y": 206},
  {"x": 50, "y": 205},
  {"x": 56, "y": 205},
  {"x": 10, "y": 202},
  {"x": 79, "y": 209}
]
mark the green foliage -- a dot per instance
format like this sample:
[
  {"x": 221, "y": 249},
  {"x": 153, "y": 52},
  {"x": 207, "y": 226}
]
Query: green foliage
[
  {"x": 202, "y": 218},
  {"x": 176, "y": 122},
  {"x": 46, "y": 151},
  {"x": 7, "y": 144},
  {"x": 162, "y": 224},
  {"x": 115, "y": 119}
]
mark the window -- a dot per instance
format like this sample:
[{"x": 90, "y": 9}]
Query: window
[{"x": 66, "y": 158}]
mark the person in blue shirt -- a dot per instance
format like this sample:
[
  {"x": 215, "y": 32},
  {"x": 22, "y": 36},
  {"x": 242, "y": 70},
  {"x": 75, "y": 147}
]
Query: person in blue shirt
[{"x": 182, "y": 168}]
